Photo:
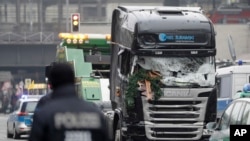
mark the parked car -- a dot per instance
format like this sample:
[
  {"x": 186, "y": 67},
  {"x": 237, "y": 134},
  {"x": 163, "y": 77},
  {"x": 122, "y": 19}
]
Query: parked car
[
  {"x": 237, "y": 113},
  {"x": 20, "y": 120}
]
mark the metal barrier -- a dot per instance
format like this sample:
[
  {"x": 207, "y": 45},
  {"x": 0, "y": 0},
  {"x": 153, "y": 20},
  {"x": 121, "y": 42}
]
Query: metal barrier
[{"x": 29, "y": 38}]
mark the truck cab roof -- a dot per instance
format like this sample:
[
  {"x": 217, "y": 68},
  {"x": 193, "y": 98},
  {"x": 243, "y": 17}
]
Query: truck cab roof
[{"x": 167, "y": 18}]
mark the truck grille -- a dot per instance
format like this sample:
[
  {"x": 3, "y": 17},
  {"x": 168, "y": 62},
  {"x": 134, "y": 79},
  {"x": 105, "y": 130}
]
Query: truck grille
[{"x": 175, "y": 118}]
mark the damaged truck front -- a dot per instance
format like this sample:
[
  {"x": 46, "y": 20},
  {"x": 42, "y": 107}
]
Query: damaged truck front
[{"x": 162, "y": 79}]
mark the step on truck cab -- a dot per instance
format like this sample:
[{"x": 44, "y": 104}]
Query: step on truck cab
[{"x": 162, "y": 78}]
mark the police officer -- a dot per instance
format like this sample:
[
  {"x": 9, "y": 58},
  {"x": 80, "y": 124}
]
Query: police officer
[{"x": 66, "y": 117}]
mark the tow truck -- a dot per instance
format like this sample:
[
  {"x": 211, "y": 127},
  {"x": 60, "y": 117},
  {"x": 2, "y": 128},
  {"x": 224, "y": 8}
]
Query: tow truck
[{"x": 89, "y": 56}]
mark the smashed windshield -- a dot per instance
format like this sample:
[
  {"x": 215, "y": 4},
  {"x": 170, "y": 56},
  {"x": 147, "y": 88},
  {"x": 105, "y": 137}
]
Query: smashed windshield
[{"x": 185, "y": 71}]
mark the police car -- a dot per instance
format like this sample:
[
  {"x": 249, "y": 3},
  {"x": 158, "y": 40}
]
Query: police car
[
  {"x": 237, "y": 113},
  {"x": 19, "y": 122}
]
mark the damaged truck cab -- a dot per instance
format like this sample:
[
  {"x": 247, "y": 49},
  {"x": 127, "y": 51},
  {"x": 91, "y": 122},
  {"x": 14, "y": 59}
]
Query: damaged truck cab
[{"x": 162, "y": 78}]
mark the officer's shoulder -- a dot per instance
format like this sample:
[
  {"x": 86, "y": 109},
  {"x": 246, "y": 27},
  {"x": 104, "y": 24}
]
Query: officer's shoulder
[
  {"x": 45, "y": 96},
  {"x": 92, "y": 105}
]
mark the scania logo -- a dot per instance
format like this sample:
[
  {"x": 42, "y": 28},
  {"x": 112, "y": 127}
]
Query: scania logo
[{"x": 177, "y": 93}]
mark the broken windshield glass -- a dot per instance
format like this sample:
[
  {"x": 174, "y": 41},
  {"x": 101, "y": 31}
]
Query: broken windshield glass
[{"x": 185, "y": 71}]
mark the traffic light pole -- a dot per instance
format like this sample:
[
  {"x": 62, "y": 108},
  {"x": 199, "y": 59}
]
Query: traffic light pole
[{"x": 67, "y": 16}]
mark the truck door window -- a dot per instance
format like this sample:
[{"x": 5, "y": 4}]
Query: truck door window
[{"x": 125, "y": 62}]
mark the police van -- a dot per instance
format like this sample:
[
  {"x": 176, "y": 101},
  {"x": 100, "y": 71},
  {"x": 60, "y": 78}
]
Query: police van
[{"x": 230, "y": 80}]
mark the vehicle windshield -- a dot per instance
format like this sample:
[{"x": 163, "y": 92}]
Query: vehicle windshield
[
  {"x": 182, "y": 71},
  {"x": 29, "y": 106}
]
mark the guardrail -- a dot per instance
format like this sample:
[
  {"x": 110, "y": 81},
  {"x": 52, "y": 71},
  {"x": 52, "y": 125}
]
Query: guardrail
[{"x": 29, "y": 38}]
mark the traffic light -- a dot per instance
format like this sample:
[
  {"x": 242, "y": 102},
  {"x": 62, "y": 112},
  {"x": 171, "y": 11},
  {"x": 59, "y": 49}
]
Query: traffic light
[{"x": 75, "y": 22}]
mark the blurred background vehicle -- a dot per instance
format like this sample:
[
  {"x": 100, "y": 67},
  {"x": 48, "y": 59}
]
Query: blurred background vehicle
[
  {"x": 230, "y": 81},
  {"x": 20, "y": 120},
  {"x": 237, "y": 113}
]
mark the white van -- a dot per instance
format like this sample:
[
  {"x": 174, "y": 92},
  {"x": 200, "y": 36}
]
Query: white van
[{"x": 230, "y": 82}]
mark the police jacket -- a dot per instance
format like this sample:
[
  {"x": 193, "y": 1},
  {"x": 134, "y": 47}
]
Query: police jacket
[
  {"x": 68, "y": 118},
  {"x": 43, "y": 100}
]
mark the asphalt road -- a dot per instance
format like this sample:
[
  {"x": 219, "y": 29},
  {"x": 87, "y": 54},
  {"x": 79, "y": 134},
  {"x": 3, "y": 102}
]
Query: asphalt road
[{"x": 3, "y": 137}]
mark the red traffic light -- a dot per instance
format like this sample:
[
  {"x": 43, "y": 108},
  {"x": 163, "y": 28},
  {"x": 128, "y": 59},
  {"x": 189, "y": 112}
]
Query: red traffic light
[
  {"x": 75, "y": 22},
  {"x": 75, "y": 17}
]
